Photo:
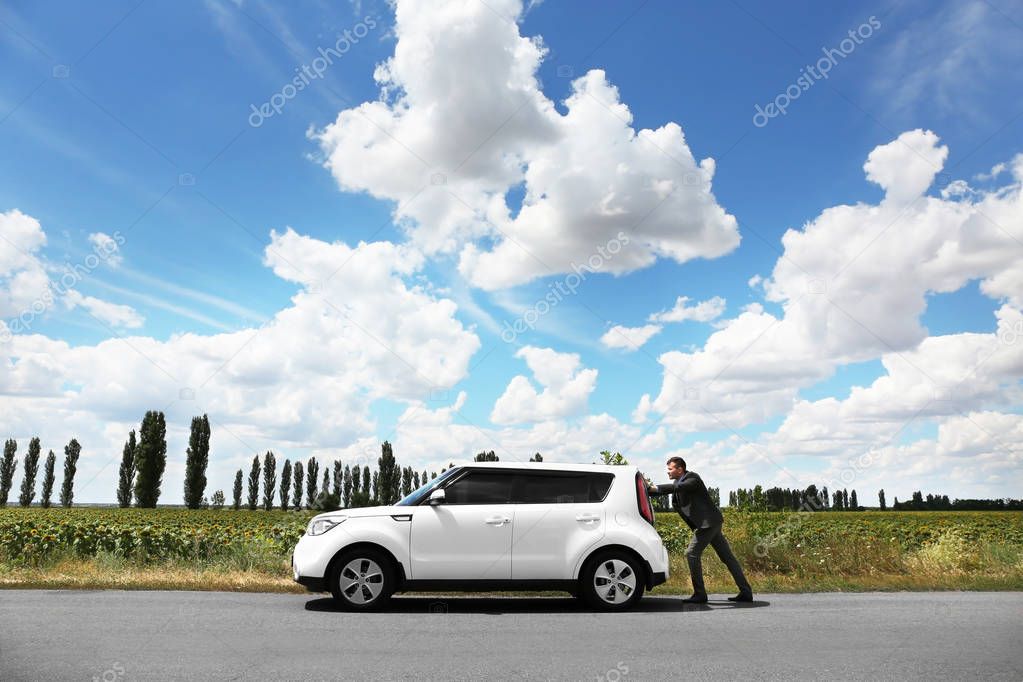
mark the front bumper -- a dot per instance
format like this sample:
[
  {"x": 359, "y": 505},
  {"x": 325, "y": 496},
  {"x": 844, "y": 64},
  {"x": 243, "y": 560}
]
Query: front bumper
[{"x": 310, "y": 583}]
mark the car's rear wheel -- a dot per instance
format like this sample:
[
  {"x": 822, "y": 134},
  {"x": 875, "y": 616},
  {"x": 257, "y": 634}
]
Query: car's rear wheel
[
  {"x": 362, "y": 579},
  {"x": 612, "y": 581}
]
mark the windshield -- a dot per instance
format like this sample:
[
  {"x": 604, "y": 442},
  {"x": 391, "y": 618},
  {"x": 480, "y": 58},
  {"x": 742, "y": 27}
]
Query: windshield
[{"x": 414, "y": 497}]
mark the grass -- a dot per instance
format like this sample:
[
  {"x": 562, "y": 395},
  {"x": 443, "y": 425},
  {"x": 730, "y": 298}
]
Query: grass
[{"x": 106, "y": 548}]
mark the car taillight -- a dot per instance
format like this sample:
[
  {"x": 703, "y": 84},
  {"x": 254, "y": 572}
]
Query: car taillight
[{"x": 644, "y": 501}]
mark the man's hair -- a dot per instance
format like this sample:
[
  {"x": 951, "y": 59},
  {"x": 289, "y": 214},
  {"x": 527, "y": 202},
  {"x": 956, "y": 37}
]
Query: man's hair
[{"x": 677, "y": 461}]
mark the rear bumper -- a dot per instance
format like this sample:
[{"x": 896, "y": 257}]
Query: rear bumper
[{"x": 658, "y": 578}]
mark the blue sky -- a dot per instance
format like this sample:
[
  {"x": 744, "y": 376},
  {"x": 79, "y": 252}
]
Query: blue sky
[{"x": 134, "y": 120}]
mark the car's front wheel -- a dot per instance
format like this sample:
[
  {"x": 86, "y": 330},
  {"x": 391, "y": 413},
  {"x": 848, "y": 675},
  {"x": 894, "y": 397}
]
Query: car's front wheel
[
  {"x": 362, "y": 579},
  {"x": 612, "y": 581}
]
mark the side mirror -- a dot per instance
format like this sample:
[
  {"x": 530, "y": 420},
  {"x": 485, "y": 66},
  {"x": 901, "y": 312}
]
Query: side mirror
[{"x": 436, "y": 497}]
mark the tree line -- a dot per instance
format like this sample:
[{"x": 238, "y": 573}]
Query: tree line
[
  {"x": 783, "y": 499},
  {"x": 300, "y": 485},
  {"x": 941, "y": 503},
  {"x": 812, "y": 499},
  {"x": 9, "y": 465}
]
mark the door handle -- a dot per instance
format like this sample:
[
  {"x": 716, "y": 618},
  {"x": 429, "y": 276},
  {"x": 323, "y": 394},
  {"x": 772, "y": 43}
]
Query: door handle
[
  {"x": 497, "y": 520},
  {"x": 587, "y": 518}
]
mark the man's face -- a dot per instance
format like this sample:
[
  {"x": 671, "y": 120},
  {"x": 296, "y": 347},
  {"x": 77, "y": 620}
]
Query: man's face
[{"x": 675, "y": 471}]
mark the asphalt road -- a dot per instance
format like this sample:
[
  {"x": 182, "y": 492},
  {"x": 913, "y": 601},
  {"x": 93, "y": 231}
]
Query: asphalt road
[{"x": 113, "y": 636}]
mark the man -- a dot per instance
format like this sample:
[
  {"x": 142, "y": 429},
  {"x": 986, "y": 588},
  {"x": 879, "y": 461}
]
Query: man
[{"x": 693, "y": 503}]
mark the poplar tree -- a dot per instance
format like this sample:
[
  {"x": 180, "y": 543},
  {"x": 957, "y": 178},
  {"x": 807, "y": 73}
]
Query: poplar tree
[
  {"x": 237, "y": 490},
  {"x": 389, "y": 476},
  {"x": 346, "y": 488},
  {"x": 338, "y": 478},
  {"x": 196, "y": 459},
  {"x": 253, "y": 489},
  {"x": 356, "y": 479},
  {"x": 51, "y": 462},
  {"x": 8, "y": 465},
  {"x": 269, "y": 480},
  {"x": 406, "y": 481},
  {"x": 312, "y": 478},
  {"x": 28, "y": 481},
  {"x": 126, "y": 474},
  {"x": 150, "y": 459},
  {"x": 67, "y": 489},
  {"x": 285, "y": 484},
  {"x": 296, "y": 498}
]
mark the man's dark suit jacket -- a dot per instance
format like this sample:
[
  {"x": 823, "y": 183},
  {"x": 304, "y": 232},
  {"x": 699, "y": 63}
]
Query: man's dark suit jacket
[{"x": 692, "y": 501}]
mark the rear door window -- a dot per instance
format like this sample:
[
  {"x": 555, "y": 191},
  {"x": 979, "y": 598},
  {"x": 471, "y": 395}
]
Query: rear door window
[{"x": 560, "y": 487}]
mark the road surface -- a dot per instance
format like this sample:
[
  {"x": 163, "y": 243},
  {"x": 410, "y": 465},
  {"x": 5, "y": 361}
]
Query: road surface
[{"x": 114, "y": 636}]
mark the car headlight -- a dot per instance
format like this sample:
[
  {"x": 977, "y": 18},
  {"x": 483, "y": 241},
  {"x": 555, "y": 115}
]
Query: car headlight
[{"x": 321, "y": 526}]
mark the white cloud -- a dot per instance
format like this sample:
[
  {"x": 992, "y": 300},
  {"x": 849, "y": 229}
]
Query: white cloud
[
  {"x": 633, "y": 338},
  {"x": 906, "y": 167},
  {"x": 747, "y": 372},
  {"x": 941, "y": 379},
  {"x": 995, "y": 171},
  {"x": 642, "y": 411},
  {"x": 462, "y": 121},
  {"x": 23, "y": 278},
  {"x": 434, "y": 437},
  {"x": 356, "y": 331},
  {"x": 566, "y": 388},
  {"x": 704, "y": 311},
  {"x": 27, "y": 292},
  {"x": 867, "y": 441},
  {"x": 113, "y": 314},
  {"x": 629, "y": 338},
  {"x": 107, "y": 246},
  {"x": 852, "y": 285}
]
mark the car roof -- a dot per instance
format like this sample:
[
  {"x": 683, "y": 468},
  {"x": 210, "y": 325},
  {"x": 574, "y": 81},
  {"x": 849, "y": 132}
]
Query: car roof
[{"x": 553, "y": 466}]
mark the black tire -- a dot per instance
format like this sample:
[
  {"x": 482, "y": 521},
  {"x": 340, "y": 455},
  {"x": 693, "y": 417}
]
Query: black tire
[
  {"x": 362, "y": 579},
  {"x": 612, "y": 580}
]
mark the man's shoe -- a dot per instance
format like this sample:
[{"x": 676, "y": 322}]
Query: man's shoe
[
  {"x": 695, "y": 599},
  {"x": 742, "y": 596}
]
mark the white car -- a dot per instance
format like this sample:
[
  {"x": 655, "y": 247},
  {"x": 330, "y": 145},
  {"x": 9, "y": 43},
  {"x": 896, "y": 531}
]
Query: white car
[{"x": 585, "y": 529}]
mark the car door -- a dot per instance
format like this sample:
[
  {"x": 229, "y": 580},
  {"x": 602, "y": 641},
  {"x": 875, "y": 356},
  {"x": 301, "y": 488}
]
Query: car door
[
  {"x": 558, "y": 516},
  {"x": 469, "y": 535}
]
